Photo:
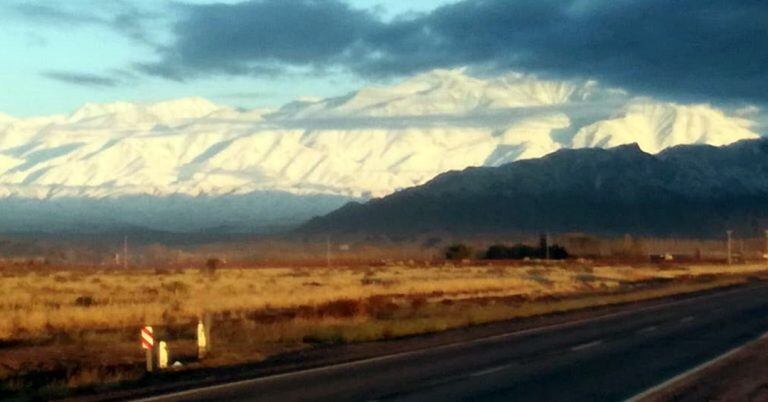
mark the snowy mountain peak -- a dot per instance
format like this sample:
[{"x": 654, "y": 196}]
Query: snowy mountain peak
[
  {"x": 449, "y": 92},
  {"x": 122, "y": 113},
  {"x": 370, "y": 142},
  {"x": 656, "y": 126}
]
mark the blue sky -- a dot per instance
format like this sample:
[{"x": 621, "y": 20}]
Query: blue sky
[
  {"x": 35, "y": 46},
  {"x": 57, "y": 55}
]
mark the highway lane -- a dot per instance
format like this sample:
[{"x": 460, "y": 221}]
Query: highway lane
[{"x": 605, "y": 359}]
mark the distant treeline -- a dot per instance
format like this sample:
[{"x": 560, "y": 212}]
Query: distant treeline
[
  {"x": 516, "y": 252},
  {"x": 522, "y": 251}
]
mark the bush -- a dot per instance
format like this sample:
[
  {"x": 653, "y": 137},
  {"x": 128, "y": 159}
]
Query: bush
[
  {"x": 342, "y": 308},
  {"x": 175, "y": 287},
  {"x": 516, "y": 252},
  {"x": 211, "y": 265},
  {"x": 557, "y": 252},
  {"x": 522, "y": 251},
  {"x": 85, "y": 301},
  {"x": 458, "y": 252}
]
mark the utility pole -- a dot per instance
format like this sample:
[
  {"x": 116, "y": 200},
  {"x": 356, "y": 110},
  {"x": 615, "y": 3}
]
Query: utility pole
[
  {"x": 328, "y": 251},
  {"x": 546, "y": 246},
  {"x": 125, "y": 252},
  {"x": 766, "y": 243},
  {"x": 741, "y": 250},
  {"x": 729, "y": 233}
]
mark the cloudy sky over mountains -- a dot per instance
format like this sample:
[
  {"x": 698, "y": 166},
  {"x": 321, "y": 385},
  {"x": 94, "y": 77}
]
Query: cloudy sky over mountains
[{"x": 58, "y": 55}]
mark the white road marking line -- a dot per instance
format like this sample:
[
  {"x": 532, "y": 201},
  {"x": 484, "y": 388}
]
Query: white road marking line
[
  {"x": 647, "y": 329},
  {"x": 586, "y": 345},
  {"x": 687, "y": 319},
  {"x": 682, "y": 376},
  {"x": 490, "y": 370},
  {"x": 530, "y": 331}
]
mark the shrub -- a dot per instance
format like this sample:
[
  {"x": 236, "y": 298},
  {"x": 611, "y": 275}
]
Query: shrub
[
  {"x": 84, "y": 301},
  {"x": 557, "y": 252},
  {"x": 175, "y": 287},
  {"x": 522, "y": 251},
  {"x": 342, "y": 308},
  {"x": 458, "y": 252},
  {"x": 211, "y": 265},
  {"x": 516, "y": 252}
]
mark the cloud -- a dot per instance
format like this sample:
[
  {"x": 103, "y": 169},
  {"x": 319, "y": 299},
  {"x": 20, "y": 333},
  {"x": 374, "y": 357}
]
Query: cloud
[
  {"x": 117, "y": 15},
  {"x": 82, "y": 79},
  {"x": 248, "y": 95},
  {"x": 685, "y": 48},
  {"x": 260, "y": 37},
  {"x": 49, "y": 14}
]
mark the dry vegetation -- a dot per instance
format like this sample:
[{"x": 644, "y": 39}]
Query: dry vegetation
[{"x": 50, "y": 317}]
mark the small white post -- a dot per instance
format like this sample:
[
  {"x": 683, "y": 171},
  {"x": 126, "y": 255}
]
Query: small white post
[
  {"x": 202, "y": 340},
  {"x": 162, "y": 355}
]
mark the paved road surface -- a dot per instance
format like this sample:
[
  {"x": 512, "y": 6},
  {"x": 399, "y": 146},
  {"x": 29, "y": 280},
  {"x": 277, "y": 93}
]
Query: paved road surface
[{"x": 606, "y": 359}]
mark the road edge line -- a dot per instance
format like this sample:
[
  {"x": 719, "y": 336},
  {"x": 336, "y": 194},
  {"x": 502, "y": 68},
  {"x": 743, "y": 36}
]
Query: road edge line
[
  {"x": 693, "y": 371},
  {"x": 481, "y": 340}
]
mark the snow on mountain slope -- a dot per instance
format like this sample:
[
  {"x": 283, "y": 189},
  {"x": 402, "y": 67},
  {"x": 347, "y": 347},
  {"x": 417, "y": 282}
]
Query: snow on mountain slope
[
  {"x": 447, "y": 92},
  {"x": 368, "y": 143},
  {"x": 656, "y": 126},
  {"x": 136, "y": 114},
  {"x": 4, "y": 118}
]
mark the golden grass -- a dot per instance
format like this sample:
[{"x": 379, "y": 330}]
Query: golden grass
[
  {"x": 93, "y": 316},
  {"x": 439, "y": 317},
  {"x": 38, "y": 303}
]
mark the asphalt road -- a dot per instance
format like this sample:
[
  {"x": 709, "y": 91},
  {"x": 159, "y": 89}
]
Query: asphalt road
[{"x": 605, "y": 359}]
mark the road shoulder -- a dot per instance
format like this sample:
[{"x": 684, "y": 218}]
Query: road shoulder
[
  {"x": 322, "y": 356},
  {"x": 739, "y": 375}
]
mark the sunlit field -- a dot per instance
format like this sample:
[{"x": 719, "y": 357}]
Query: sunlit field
[
  {"x": 51, "y": 318},
  {"x": 43, "y": 303}
]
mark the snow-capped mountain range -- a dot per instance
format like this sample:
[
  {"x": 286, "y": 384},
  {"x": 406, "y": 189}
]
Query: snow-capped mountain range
[{"x": 369, "y": 143}]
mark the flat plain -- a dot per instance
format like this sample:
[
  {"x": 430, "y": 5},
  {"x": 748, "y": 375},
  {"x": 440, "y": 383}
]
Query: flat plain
[{"x": 69, "y": 328}]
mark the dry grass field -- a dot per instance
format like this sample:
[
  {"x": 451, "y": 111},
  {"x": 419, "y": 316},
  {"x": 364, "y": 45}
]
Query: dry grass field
[{"x": 81, "y": 326}]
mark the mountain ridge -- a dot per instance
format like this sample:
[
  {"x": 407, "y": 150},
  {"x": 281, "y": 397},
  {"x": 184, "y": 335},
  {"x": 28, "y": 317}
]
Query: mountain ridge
[
  {"x": 686, "y": 190},
  {"x": 434, "y": 122},
  {"x": 368, "y": 143}
]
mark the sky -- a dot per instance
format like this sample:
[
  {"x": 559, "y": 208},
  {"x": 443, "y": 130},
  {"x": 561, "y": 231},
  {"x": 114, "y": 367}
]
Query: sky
[{"x": 58, "y": 55}]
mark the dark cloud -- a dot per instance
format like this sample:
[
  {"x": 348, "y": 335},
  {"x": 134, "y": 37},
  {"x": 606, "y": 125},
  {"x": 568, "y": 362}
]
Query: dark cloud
[
  {"x": 684, "y": 48},
  {"x": 82, "y": 79},
  {"x": 260, "y": 37}
]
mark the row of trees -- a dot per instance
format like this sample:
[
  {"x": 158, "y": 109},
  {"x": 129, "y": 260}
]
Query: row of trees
[
  {"x": 522, "y": 251},
  {"x": 518, "y": 251}
]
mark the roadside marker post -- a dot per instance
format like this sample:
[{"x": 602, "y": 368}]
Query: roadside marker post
[
  {"x": 162, "y": 355},
  {"x": 202, "y": 340},
  {"x": 148, "y": 344}
]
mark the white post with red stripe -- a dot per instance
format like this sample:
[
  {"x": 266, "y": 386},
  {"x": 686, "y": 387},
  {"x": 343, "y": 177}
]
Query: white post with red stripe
[{"x": 148, "y": 344}]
